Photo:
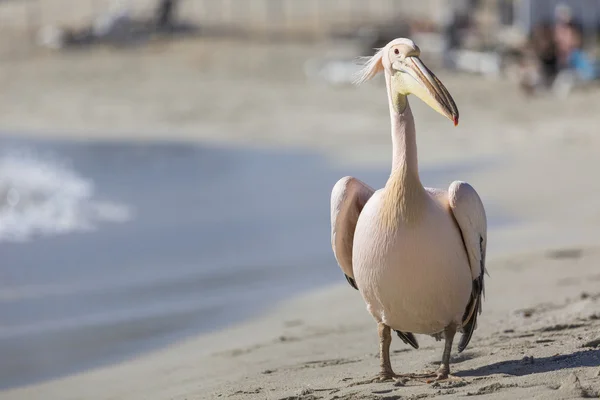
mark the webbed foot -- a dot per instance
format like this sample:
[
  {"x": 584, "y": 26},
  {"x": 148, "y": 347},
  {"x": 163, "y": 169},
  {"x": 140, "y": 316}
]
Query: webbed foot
[
  {"x": 443, "y": 375},
  {"x": 384, "y": 376}
]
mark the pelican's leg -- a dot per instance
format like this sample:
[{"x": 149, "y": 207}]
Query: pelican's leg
[
  {"x": 386, "y": 374},
  {"x": 443, "y": 372},
  {"x": 385, "y": 339},
  {"x": 444, "y": 369}
]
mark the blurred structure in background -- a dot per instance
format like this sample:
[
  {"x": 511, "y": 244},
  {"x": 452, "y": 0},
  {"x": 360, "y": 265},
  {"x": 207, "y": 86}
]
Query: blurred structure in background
[{"x": 491, "y": 37}]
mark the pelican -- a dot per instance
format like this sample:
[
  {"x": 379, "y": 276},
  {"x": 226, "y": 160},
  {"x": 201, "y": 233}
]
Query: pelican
[{"x": 415, "y": 254}]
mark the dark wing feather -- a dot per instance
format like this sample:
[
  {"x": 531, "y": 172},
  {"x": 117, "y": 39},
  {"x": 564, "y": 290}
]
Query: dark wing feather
[
  {"x": 351, "y": 282},
  {"x": 474, "y": 307},
  {"x": 408, "y": 338}
]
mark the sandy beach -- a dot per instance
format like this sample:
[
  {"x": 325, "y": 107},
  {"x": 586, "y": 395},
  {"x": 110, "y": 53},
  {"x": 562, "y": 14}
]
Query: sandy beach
[{"x": 533, "y": 160}]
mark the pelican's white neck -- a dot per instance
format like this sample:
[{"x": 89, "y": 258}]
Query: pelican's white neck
[
  {"x": 404, "y": 140},
  {"x": 403, "y": 194}
]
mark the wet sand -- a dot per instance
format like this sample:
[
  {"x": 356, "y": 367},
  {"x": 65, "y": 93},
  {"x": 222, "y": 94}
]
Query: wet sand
[{"x": 534, "y": 160}]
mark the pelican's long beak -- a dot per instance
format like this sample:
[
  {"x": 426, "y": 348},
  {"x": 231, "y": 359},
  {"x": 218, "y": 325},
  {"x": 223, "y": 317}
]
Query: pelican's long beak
[{"x": 426, "y": 86}]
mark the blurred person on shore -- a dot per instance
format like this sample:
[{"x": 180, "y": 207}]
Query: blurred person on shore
[
  {"x": 568, "y": 34},
  {"x": 576, "y": 67},
  {"x": 576, "y": 58},
  {"x": 540, "y": 61},
  {"x": 563, "y": 18}
]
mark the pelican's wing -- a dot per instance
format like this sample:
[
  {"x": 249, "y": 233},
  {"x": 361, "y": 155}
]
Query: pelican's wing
[
  {"x": 469, "y": 214},
  {"x": 348, "y": 197}
]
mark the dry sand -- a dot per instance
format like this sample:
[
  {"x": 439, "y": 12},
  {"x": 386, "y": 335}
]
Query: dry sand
[{"x": 538, "y": 335}]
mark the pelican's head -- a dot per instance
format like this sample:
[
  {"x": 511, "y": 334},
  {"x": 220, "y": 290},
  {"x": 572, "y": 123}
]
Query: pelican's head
[{"x": 407, "y": 74}]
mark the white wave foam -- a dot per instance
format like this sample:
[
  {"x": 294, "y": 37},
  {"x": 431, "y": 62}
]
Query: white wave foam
[{"x": 43, "y": 196}]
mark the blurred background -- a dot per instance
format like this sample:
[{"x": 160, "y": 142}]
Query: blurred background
[{"x": 165, "y": 166}]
